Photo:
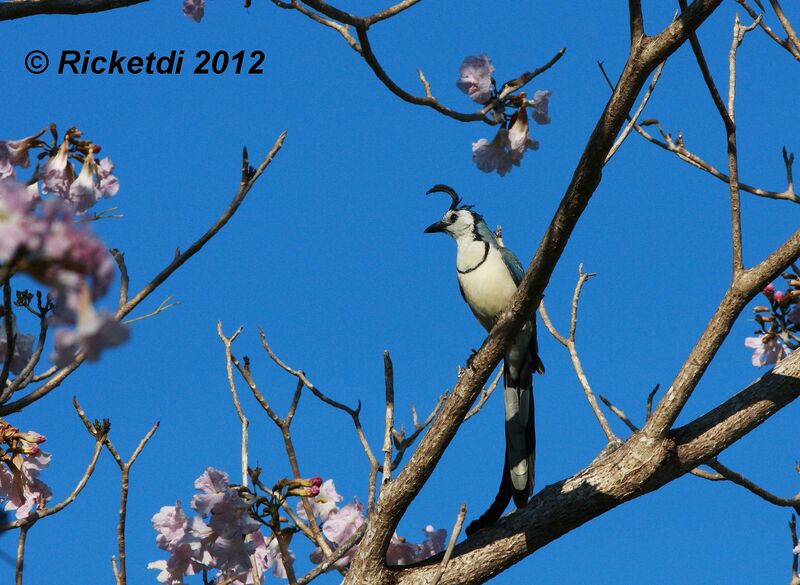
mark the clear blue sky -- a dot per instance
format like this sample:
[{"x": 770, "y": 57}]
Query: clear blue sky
[{"x": 329, "y": 256}]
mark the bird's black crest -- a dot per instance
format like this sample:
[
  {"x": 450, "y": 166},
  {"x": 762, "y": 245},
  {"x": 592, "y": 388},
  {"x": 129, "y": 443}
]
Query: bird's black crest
[{"x": 456, "y": 204}]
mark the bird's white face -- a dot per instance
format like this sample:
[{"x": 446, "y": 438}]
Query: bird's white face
[{"x": 458, "y": 223}]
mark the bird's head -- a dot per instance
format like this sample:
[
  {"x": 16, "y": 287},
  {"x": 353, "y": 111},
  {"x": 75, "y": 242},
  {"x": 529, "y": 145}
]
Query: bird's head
[{"x": 459, "y": 221}]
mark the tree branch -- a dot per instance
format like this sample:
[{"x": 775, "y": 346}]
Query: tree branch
[{"x": 13, "y": 9}]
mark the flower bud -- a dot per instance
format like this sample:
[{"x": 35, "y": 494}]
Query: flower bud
[
  {"x": 309, "y": 491},
  {"x": 761, "y": 309},
  {"x": 769, "y": 290},
  {"x": 778, "y": 296}
]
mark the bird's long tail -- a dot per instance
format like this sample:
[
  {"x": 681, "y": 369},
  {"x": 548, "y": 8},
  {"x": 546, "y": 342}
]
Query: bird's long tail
[
  {"x": 520, "y": 433},
  {"x": 518, "y": 468}
]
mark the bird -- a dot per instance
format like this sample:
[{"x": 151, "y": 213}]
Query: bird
[{"x": 488, "y": 275}]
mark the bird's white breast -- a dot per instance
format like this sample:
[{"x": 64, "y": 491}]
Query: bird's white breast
[{"x": 489, "y": 287}]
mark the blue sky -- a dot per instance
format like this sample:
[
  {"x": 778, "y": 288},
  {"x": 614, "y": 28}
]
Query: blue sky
[{"x": 328, "y": 255}]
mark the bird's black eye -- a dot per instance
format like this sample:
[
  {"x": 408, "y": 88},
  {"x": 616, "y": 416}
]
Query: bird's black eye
[{"x": 453, "y": 217}]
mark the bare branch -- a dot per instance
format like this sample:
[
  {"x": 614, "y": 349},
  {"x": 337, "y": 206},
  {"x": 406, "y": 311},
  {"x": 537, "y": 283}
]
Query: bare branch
[
  {"x": 437, "y": 576},
  {"x": 730, "y": 127},
  {"x": 162, "y": 306},
  {"x": 20, "y": 565},
  {"x": 13, "y": 9},
  {"x": 787, "y": 26},
  {"x": 388, "y": 374},
  {"x": 249, "y": 178},
  {"x": 569, "y": 343},
  {"x": 486, "y": 393},
  {"x": 633, "y": 119},
  {"x": 124, "y": 278},
  {"x": 227, "y": 342},
  {"x": 793, "y": 530},
  {"x": 751, "y": 486},
  {"x": 785, "y": 43},
  {"x": 636, "y": 21}
]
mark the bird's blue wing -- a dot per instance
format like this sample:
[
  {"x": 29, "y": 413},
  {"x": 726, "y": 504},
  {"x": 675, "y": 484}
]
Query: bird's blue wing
[{"x": 513, "y": 264}]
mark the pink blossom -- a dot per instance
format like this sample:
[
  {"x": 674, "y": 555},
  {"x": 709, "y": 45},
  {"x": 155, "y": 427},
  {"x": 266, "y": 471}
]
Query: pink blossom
[
  {"x": 778, "y": 296},
  {"x": 767, "y": 352},
  {"x": 15, "y": 153},
  {"x": 494, "y": 155},
  {"x": 518, "y": 139},
  {"x": 540, "y": 105},
  {"x": 434, "y": 542},
  {"x": 95, "y": 181},
  {"x": 476, "y": 78},
  {"x": 401, "y": 552},
  {"x": 341, "y": 525},
  {"x": 194, "y": 9},
  {"x": 323, "y": 503},
  {"x": 20, "y": 485},
  {"x": 17, "y": 222},
  {"x": 268, "y": 555},
  {"x": 58, "y": 172},
  {"x": 93, "y": 333}
]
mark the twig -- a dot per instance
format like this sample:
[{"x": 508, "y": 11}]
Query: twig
[
  {"x": 284, "y": 425},
  {"x": 24, "y": 377},
  {"x": 249, "y": 177},
  {"x": 227, "y": 341},
  {"x": 485, "y": 394},
  {"x": 787, "y": 26},
  {"x": 751, "y": 486},
  {"x": 793, "y": 51},
  {"x": 649, "y": 409},
  {"x": 162, "y": 306},
  {"x": 23, "y": 534},
  {"x": 569, "y": 343},
  {"x": 8, "y": 331},
  {"x": 730, "y": 126},
  {"x": 632, "y": 120},
  {"x": 401, "y": 442},
  {"x": 388, "y": 374},
  {"x": 115, "y": 570},
  {"x": 793, "y": 531},
  {"x": 124, "y": 278},
  {"x": 125, "y": 469},
  {"x": 354, "y": 413},
  {"x": 437, "y": 576},
  {"x": 678, "y": 148}
]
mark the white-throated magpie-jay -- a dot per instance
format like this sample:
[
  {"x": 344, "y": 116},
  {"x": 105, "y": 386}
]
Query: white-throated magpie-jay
[{"x": 488, "y": 275}]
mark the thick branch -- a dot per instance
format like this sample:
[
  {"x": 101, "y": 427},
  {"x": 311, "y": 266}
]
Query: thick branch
[
  {"x": 640, "y": 466},
  {"x": 12, "y": 9}
]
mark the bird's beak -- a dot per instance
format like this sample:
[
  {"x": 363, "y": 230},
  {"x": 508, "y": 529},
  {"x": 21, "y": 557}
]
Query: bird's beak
[{"x": 439, "y": 226}]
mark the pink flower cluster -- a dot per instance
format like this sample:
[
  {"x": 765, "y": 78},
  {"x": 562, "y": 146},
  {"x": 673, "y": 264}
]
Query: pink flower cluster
[
  {"x": 49, "y": 239},
  {"x": 21, "y": 462},
  {"x": 779, "y": 323},
  {"x": 512, "y": 140},
  {"x": 194, "y": 9},
  {"x": 223, "y": 537},
  {"x": 339, "y": 524}
]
